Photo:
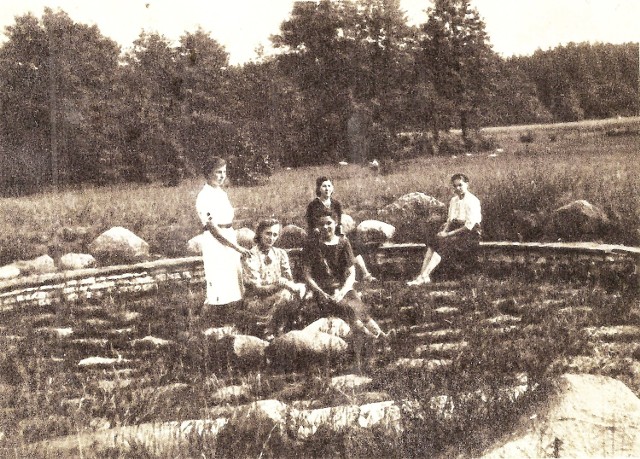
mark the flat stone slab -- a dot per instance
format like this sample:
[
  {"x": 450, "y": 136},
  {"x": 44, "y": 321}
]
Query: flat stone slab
[
  {"x": 150, "y": 341},
  {"x": 446, "y": 311},
  {"x": 350, "y": 382},
  {"x": 441, "y": 348},
  {"x": 232, "y": 393},
  {"x": 615, "y": 332},
  {"x": 428, "y": 364},
  {"x": 55, "y": 332},
  {"x": 446, "y": 334},
  {"x": 503, "y": 319},
  {"x": 102, "y": 361}
]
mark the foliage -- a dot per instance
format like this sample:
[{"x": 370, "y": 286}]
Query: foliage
[
  {"x": 584, "y": 80},
  {"x": 456, "y": 47},
  {"x": 349, "y": 77}
]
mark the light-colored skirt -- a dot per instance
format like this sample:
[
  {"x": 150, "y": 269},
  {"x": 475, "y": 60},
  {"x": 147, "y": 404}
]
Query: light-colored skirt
[{"x": 222, "y": 269}]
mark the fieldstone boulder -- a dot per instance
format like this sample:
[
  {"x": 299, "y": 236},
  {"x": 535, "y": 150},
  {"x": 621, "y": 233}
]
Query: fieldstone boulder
[
  {"x": 9, "y": 272},
  {"x": 40, "y": 265},
  {"x": 194, "y": 245},
  {"x": 374, "y": 231},
  {"x": 245, "y": 237},
  {"x": 587, "y": 416},
  {"x": 416, "y": 216},
  {"x": 291, "y": 237},
  {"x": 331, "y": 325},
  {"x": 416, "y": 206},
  {"x": 348, "y": 223},
  {"x": 242, "y": 351},
  {"x": 76, "y": 261},
  {"x": 249, "y": 347},
  {"x": 578, "y": 220},
  {"x": 300, "y": 348},
  {"x": 118, "y": 244}
]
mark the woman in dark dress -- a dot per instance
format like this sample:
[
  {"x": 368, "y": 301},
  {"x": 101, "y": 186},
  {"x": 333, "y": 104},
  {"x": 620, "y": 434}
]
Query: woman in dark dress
[
  {"x": 319, "y": 206},
  {"x": 330, "y": 273}
]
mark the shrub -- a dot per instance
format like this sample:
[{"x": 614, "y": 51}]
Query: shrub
[{"x": 527, "y": 137}]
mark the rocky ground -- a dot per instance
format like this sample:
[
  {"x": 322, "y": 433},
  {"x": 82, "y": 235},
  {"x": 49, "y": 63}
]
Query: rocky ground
[{"x": 85, "y": 374}]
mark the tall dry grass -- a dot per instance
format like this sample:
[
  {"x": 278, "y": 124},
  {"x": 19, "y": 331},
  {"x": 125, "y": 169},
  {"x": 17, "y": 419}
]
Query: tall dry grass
[{"x": 554, "y": 169}]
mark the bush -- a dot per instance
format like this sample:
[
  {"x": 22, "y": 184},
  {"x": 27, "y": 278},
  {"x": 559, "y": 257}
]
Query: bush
[{"x": 527, "y": 137}]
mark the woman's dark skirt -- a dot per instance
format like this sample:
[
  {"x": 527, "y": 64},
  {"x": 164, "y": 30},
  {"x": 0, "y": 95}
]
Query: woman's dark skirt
[
  {"x": 350, "y": 308},
  {"x": 459, "y": 248}
]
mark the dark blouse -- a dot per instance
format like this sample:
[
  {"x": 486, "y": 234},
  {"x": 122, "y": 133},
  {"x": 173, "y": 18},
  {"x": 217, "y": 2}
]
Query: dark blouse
[
  {"x": 329, "y": 264},
  {"x": 315, "y": 210}
]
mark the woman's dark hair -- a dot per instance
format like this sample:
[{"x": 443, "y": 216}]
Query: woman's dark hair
[
  {"x": 262, "y": 225},
  {"x": 320, "y": 181},
  {"x": 326, "y": 212},
  {"x": 211, "y": 164},
  {"x": 462, "y": 177}
]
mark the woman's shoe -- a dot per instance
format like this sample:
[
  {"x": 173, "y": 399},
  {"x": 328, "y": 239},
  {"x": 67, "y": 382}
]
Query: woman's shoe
[{"x": 420, "y": 280}]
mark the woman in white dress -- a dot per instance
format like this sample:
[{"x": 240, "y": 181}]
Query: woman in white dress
[{"x": 221, "y": 253}]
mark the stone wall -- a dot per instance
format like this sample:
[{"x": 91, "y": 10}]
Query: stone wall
[{"x": 616, "y": 264}]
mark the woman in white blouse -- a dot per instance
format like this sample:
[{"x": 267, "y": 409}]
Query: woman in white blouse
[
  {"x": 221, "y": 253},
  {"x": 459, "y": 236}
]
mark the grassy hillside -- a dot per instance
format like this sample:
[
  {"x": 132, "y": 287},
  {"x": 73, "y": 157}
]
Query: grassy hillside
[{"x": 535, "y": 169}]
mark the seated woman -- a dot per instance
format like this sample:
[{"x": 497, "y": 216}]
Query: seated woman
[
  {"x": 316, "y": 208},
  {"x": 459, "y": 237},
  {"x": 330, "y": 273},
  {"x": 270, "y": 289}
]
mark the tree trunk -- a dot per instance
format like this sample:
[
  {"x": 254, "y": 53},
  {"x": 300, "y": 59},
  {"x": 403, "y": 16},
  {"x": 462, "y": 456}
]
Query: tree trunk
[
  {"x": 435, "y": 135},
  {"x": 464, "y": 126}
]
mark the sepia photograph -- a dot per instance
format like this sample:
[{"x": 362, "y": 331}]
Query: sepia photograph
[{"x": 319, "y": 229}]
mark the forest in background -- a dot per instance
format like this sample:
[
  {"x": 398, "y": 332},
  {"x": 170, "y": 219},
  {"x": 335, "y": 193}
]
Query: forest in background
[{"x": 77, "y": 109}]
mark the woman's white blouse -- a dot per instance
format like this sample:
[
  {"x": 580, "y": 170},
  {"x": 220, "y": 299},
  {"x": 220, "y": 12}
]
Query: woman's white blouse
[
  {"x": 212, "y": 205},
  {"x": 465, "y": 210}
]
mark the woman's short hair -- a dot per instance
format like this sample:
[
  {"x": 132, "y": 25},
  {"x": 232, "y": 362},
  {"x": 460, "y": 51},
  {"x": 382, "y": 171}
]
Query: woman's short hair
[
  {"x": 211, "y": 164},
  {"x": 462, "y": 177},
  {"x": 320, "y": 181},
  {"x": 326, "y": 212},
  {"x": 262, "y": 225}
]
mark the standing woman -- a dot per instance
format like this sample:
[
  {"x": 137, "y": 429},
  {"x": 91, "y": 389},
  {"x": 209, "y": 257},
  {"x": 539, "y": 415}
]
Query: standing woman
[
  {"x": 318, "y": 207},
  {"x": 221, "y": 253}
]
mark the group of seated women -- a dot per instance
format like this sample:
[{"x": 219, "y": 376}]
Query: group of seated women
[{"x": 260, "y": 281}]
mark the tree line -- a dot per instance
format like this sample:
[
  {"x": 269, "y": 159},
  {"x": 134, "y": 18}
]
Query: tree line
[{"x": 76, "y": 109}]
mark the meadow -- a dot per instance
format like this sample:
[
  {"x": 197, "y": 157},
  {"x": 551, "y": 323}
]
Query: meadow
[
  {"x": 492, "y": 331},
  {"x": 530, "y": 168}
]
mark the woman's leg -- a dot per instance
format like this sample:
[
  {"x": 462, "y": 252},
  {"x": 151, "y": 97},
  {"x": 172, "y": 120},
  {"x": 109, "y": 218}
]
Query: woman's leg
[
  {"x": 429, "y": 263},
  {"x": 362, "y": 266}
]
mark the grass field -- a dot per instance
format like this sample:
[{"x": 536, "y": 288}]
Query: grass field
[
  {"x": 490, "y": 330},
  {"x": 557, "y": 165}
]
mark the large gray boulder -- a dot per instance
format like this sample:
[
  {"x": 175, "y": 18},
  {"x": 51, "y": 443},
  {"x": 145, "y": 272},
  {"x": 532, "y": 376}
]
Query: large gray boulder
[
  {"x": 71, "y": 261},
  {"x": 241, "y": 351},
  {"x": 245, "y": 237},
  {"x": 416, "y": 216},
  {"x": 587, "y": 416},
  {"x": 40, "y": 265},
  {"x": 348, "y": 223},
  {"x": 118, "y": 244},
  {"x": 299, "y": 348},
  {"x": 578, "y": 220},
  {"x": 291, "y": 237},
  {"x": 374, "y": 231},
  {"x": 9, "y": 272},
  {"x": 194, "y": 245},
  {"x": 331, "y": 325}
]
